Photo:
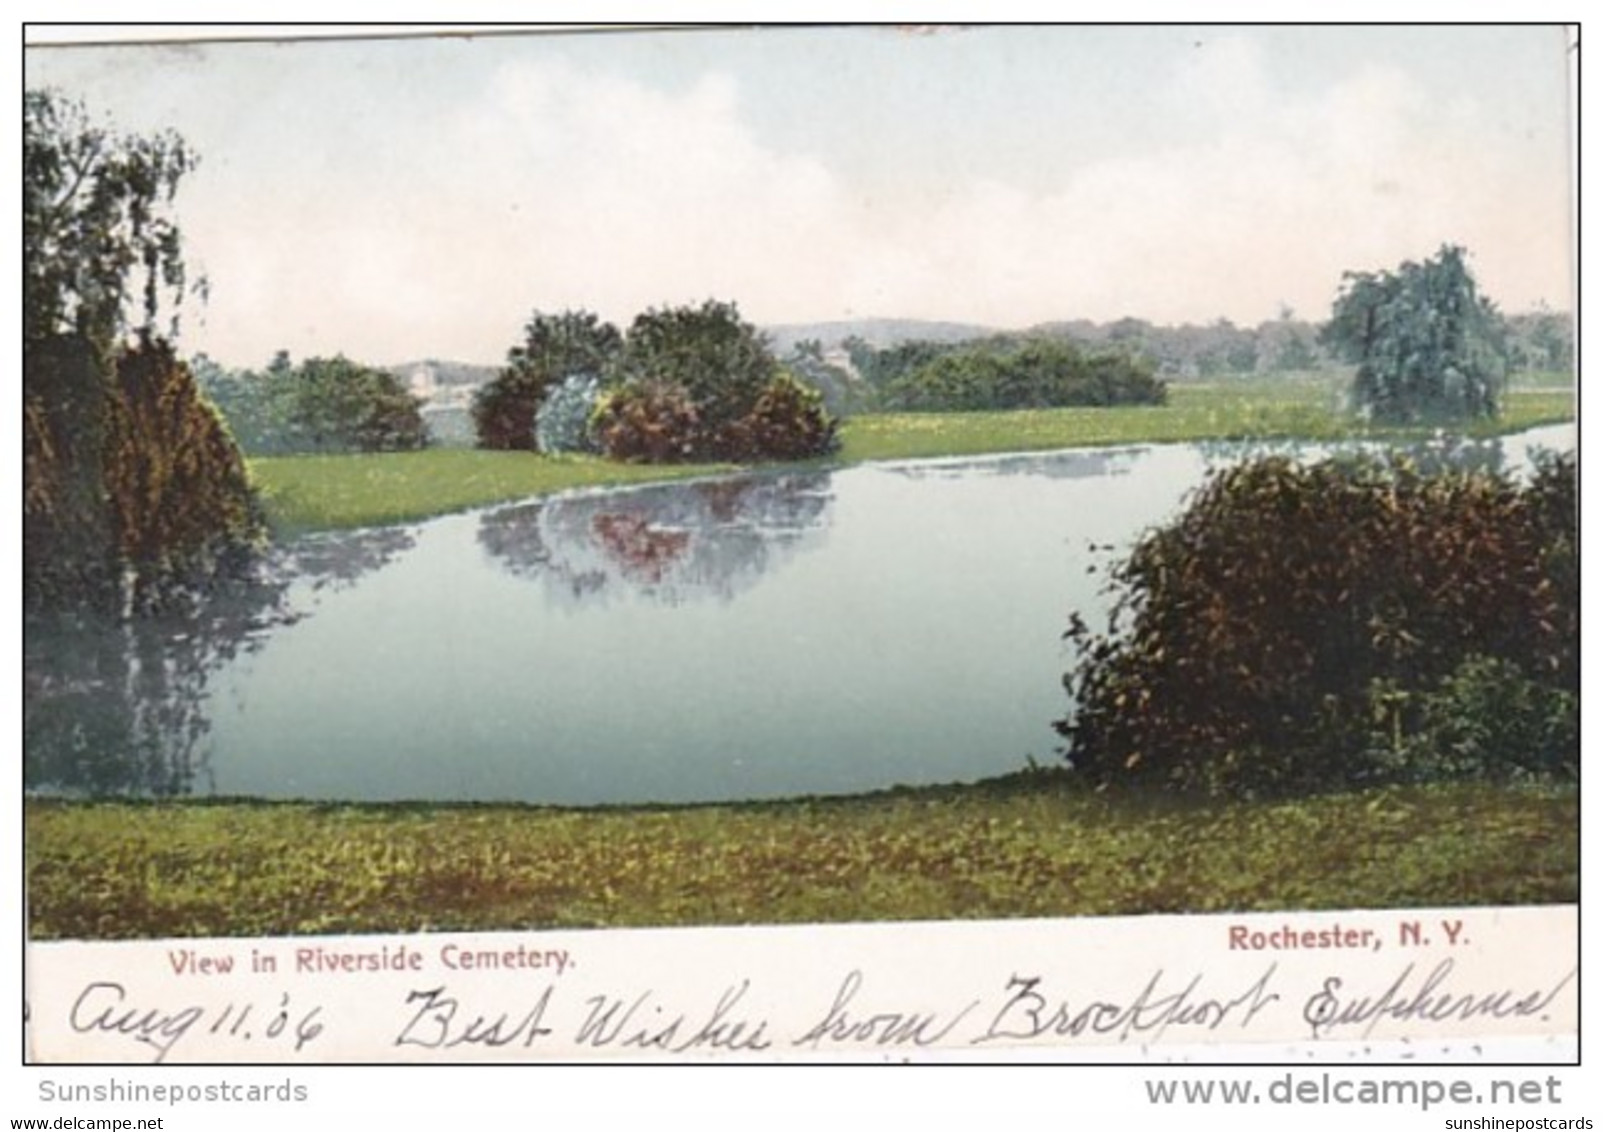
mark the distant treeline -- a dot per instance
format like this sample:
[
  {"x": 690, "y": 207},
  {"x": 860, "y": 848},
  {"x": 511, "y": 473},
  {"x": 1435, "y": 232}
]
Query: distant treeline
[
  {"x": 1001, "y": 372},
  {"x": 1536, "y": 342},
  {"x": 1539, "y": 341}
]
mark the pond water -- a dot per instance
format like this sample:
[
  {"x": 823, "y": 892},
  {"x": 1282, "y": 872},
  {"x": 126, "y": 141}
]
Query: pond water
[{"x": 746, "y": 637}]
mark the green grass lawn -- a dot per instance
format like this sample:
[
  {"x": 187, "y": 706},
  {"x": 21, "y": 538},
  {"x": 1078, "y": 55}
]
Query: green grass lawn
[
  {"x": 305, "y": 493},
  {"x": 1249, "y": 408},
  {"x": 327, "y": 492},
  {"x": 1027, "y": 846}
]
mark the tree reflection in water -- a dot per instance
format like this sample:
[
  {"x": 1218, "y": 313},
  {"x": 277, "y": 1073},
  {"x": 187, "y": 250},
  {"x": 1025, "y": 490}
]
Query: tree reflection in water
[
  {"x": 118, "y": 707},
  {"x": 671, "y": 543}
]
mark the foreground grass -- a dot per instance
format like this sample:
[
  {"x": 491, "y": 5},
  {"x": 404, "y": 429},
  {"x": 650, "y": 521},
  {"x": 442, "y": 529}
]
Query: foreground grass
[
  {"x": 328, "y": 492},
  {"x": 1027, "y": 846}
]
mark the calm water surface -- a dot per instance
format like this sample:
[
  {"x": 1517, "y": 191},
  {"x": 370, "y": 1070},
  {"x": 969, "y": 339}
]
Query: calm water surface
[{"x": 755, "y": 636}]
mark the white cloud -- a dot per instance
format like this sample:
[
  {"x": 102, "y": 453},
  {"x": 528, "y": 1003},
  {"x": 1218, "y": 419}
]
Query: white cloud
[
  {"x": 555, "y": 187},
  {"x": 1270, "y": 204}
]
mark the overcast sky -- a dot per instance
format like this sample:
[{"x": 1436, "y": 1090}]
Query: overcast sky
[{"x": 412, "y": 198}]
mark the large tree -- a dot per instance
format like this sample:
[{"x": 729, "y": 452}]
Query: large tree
[
  {"x": 722, "y": 362},
  {"x": 338, "y": 405},
  {"x": 554, "y": 347},
  {"x": 1427, "y": 344},
  {"x": 103, "y": 263}
]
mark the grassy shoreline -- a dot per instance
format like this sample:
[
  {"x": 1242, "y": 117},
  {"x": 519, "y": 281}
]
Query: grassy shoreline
[
  {"x": 309, "y": 493},
  {"x": 1030, "y": 845}
]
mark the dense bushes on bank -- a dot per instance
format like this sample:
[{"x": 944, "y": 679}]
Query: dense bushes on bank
[
  {"x": 659, "y": 423},
  {"x": 1033, "y": 374},
  {"x": 1301, "y": 628},
  {"x": 1005, "y": 372},
  {"x": 555, "y": 348},
  {"x": 684, "y": 384}
]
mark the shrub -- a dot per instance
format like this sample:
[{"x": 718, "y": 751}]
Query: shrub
[
  {"x": 562, "y": 423},
  {"x": 1486, "y": 719},
  {"x": 658, "y": 422},
  {"x": 1036, "y": 373},
  {"x": 112, "y": 435},
  {"x": 553, "y": 347},
  {"x": 155, "y": 499},
  {"x": 1115, "y": 379},
  {"x": 1253, "y": 634},
  {"x": 504, "y": 411},
  {"x": 182, "y": 507},
  {"x": 649, "y": 422},
  {"x": 788, "y": 422}
]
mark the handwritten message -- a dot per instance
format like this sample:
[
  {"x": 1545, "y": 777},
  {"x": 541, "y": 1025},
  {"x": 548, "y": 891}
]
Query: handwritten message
[{"x": 822, "y": 991}]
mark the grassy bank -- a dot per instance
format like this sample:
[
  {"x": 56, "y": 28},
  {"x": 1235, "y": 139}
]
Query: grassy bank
[
  {"x": 326, "y": 492},
  {"x": 1022, "y": 847},
  {"x": 305, "y": 493},
  {"x": 1238, "y": 410}
]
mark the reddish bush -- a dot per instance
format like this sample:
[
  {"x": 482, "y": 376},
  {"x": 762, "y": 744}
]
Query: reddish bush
[{"x": 649, "y": 423}]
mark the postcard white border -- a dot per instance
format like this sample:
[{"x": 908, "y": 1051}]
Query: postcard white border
[{"x": 1131, "y": 987}]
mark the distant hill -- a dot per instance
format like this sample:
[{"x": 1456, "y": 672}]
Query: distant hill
[{"x": 880, "y": 333}]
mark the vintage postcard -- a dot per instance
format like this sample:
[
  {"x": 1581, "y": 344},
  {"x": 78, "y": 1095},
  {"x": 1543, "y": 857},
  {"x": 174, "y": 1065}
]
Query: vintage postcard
[{"x": 801, "y": 544}]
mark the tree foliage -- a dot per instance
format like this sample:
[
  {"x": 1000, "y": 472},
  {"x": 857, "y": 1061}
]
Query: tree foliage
[
  {"x": 1005, "y": 372},
  {"x": 181, "y": 504},
  {"x": 721, "y": 361},
  {"x": 1426, "y": 343},
  {"x": 1288, "y": 631},
  {"x": 700, "y": 383},
  {"x": 337, "y": 405},
  {"x": 554, "y": 347},
  {"x": 321, "y": 405},
  {"x": 788, "y": 421},
  {"x": 131, "y": 485},
  {"x": 1541, "y": 341},
  {"x": 101, "y": 248},
  {"x": 649, "y": 422}
]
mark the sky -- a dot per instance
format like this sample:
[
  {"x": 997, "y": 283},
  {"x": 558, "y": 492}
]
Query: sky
[{"x": 420, "y": 197}]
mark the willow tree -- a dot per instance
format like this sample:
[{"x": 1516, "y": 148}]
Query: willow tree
[
  {"x": 1427, "y": 344},
  {"x": 113, "y": 426}
]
